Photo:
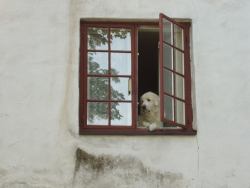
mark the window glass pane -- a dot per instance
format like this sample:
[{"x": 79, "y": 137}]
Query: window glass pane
[
  {"x": 98, "y": 88},
  {"x": 169, "y": 108},
  {"x": 97, "y": 38},
  {"x": 178, "y": 37},
  {"x": 168, "y": 56},
  {"x": 120, "y": 39},
  {"x": 167, "y": 32},
  {"x": 121, "y": 114},
  {"x": 168, "y": 82},
  {"x": 180, "y": 112},
  {"x": 179, "y": 86},
  {"x": 120, "y": 88},
  {"x": 97, "y": 63},
  {"x": 97, "y": 113},
  {"x": 179, "y": 61},
  {"x": 121, "y": 63}
]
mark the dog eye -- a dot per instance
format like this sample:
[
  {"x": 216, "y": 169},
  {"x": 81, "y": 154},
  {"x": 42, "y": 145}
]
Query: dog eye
[{"x": 148, "y": 100}]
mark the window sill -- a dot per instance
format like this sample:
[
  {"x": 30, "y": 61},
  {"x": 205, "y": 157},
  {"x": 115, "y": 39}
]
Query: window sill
[{"x": 135, "y": 131}]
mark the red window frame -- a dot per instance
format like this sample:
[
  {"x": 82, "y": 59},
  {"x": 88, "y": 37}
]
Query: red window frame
[
  {"x": 133, "y": 129},
  {"x": 186, "y": 75}
]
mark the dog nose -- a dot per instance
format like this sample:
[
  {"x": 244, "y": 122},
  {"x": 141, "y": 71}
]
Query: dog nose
[{"x": 143, "y": 107}]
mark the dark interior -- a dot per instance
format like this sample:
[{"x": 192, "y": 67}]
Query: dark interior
[{"x": 148, "y": 61}]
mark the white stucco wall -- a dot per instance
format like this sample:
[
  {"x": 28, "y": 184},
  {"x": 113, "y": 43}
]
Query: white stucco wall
[{"x": 39, "y": 58}]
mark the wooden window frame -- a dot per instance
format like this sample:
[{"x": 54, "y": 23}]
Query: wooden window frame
[
  {"x": 186, "y": 75},
  {"x": 128, "y": 130}
]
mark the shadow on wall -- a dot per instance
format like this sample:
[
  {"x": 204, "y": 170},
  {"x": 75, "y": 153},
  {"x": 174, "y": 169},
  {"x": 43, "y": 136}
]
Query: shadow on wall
[{"x": 119, "y": 172}]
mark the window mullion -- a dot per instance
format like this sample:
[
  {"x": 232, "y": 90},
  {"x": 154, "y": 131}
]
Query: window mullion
[
  {"x": 173, "y": 40},
  {"x": 109, "y": 76},
  {"x": 134, "y": 62}
]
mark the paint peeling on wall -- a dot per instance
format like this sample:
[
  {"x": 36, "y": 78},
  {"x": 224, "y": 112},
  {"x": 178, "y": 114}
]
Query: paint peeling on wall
[{"x": 119, "y": 171}]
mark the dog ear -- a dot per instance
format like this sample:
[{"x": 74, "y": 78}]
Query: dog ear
[{"x": 157, "y": 102}]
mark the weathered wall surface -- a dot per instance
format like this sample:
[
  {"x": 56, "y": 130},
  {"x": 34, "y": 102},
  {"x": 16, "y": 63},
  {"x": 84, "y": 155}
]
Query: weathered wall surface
[{"x": 39, "y": 54}]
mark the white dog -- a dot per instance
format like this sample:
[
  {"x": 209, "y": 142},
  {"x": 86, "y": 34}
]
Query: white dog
[{"x": 150, "y": 111}]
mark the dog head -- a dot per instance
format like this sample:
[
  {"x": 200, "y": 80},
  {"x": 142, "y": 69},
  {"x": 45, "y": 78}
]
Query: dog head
[{"x": 149, "y": 102}]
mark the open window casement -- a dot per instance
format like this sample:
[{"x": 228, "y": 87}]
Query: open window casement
[{"x": 174, "y": 69}]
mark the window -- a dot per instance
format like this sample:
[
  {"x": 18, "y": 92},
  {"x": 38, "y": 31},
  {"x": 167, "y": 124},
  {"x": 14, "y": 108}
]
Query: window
[{"x": 119, "y": 61}]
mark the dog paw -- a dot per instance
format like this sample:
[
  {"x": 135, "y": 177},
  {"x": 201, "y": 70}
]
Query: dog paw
[{"x": 152, "y": 127}]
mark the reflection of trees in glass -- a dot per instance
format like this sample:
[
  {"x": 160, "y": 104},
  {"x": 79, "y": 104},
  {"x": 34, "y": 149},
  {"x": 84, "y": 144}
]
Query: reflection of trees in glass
[
  {"x": 97, "y": 37},
  {"x": 119, "y": 33},
  {"x": 98, "y": 87}
]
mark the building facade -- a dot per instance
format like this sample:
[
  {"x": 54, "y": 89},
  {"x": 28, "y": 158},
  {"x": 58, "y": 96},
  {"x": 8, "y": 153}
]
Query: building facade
[{"x": 40, "y": 145}]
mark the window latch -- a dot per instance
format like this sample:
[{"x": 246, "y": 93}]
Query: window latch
[{"x": 129, "y": 86}]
